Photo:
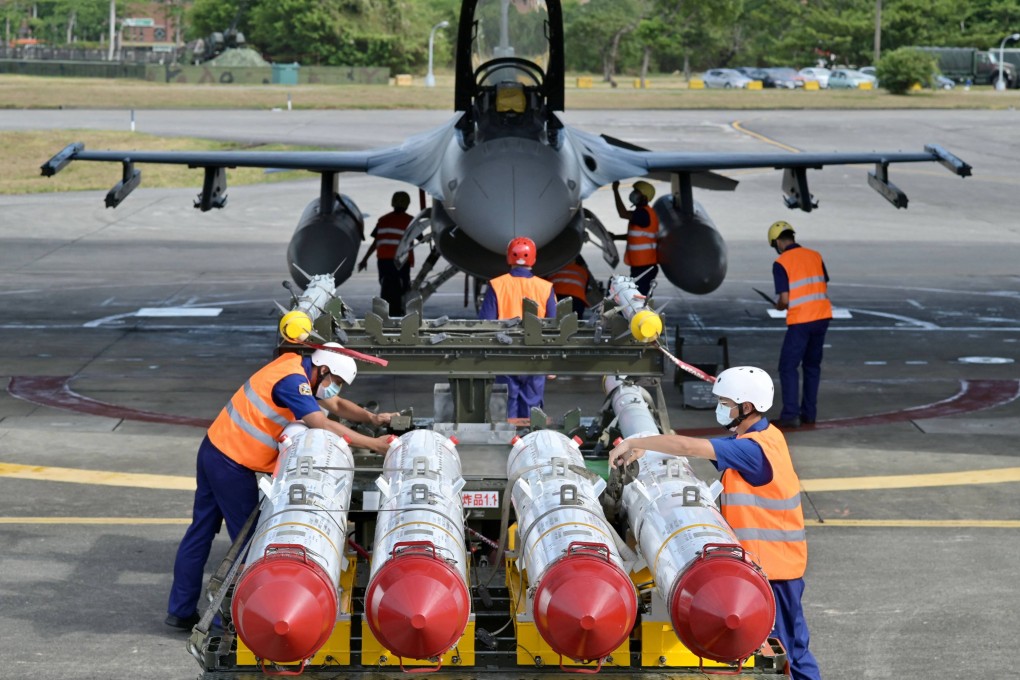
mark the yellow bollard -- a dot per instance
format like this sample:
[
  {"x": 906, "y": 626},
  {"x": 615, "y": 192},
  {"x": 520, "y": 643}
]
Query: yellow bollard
[
  {"x": 916, "y": 87},
  {"x": 638, "y": 85},
  {"x": 404, "y": 80},
  {"x": 584, "y": 82},
  {"x": 754, "y": 85},
  {"x": 696, "y": 84},
  {"x": 866, "y": 85},
  {"x": 811, "y": 85}
]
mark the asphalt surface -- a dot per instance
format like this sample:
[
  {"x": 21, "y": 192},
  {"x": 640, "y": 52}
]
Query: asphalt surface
[{"x": 912, "y": 474}]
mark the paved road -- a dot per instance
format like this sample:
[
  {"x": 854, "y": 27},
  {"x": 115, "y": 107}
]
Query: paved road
[{"x": 913, "y": 569}]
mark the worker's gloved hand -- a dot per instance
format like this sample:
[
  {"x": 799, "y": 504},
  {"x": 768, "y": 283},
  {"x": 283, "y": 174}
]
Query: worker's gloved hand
[
  {"x": 616, "y": 186},
  {"x": 363, "y": 265}
]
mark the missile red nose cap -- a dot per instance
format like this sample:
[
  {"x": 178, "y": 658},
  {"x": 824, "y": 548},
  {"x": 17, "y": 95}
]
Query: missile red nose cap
[
  {"x": 585, "y": 607},
  {"x": 417, "y": 606},
  {"x": 284, "y": 608},
  {"x": 723, "y": 608}
]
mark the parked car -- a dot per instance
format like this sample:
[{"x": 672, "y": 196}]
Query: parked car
[
  {"x": 785, "y": 77},
  {"x": 725, "y": 78},
  {"x": 819, "y": 75},
  {"x": 757, "y": 74},
  {"x": 940, "y": 82},
  {"x": 846, "y": 78}
]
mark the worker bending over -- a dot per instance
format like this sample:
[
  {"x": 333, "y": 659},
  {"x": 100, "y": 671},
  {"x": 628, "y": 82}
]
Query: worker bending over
[
  {"x": 243, "y": 440},
  {"x": 761, "y": 496}
]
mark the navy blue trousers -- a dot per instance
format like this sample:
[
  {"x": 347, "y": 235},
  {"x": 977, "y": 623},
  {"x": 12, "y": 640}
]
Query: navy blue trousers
[
  {"x": 802, "y": 347},
  {"x": 226, "y": 491},
  {"x": 393, "y": 284},
  {"x": 792, "y": 631},
  {"x": 523, "y": 392}
]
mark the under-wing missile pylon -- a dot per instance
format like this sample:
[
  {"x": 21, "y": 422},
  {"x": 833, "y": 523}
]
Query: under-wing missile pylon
[{"x": 719, "y": 601}]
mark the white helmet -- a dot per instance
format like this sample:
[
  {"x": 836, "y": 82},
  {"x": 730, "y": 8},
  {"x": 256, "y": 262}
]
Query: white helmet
[
  {"x": 746, "y": 383},
  {"x": 340, "y": 365}
]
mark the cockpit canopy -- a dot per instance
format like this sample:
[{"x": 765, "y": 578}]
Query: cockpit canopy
[{"x": 509, "y": 28}]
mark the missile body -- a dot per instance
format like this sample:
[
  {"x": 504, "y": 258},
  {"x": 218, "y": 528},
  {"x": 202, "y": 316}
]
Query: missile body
[
  {"x": 645, "y": 323},
  {"x": 417, "y": 603},
  {"x": 285, "y": 603},
  {"x": 584, "y": 604},
  {"x": 720, "y": 603}
]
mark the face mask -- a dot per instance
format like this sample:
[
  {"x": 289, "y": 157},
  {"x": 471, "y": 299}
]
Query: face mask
[
  {"x": 722, "y": 414},
  {"x": 634, "y": 197},
  {"x": 327, "y": 391}
]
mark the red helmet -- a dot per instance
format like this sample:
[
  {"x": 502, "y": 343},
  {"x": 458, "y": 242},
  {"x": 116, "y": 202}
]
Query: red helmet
[{"x": 521, "y": 251}]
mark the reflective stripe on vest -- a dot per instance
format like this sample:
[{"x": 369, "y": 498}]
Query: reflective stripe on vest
[
  {"x": 571, "y": 281},
  {"x": 511, "y": 290},
  {"x": 388, "y": 231},
  {"x": 247, "y": 427},
  {"x": 642, "y": 241},
  {"x": 809, "y": 298},
  {"x": 768, "y": 519}
]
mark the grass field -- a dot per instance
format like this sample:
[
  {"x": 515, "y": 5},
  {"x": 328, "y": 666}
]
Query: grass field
[{"x": 665, "y": 92}]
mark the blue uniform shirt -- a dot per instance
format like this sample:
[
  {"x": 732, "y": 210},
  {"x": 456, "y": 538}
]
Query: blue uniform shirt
[
  {"x": 490, "y": 306},
  {"x": 295, "y": 392},
  {"x": 743, "y": 455},
  {"x": 780, "y": 277}
]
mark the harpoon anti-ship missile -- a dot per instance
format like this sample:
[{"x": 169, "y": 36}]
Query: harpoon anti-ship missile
[
  {"x": 584, "y": 603},
  {"x": 285, "y": 602},
  {"x": 720, "y": 603},
  {"x": 417, "y": 602}
]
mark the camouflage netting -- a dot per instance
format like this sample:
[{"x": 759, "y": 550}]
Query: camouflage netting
[{"x": 237, "y": 57}]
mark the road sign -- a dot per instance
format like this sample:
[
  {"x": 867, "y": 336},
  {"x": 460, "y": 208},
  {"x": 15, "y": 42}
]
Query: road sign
[{"x": 140, "y": 22}]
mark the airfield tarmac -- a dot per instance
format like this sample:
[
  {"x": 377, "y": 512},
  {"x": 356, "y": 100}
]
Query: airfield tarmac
[{"x": 912, "y": 472}]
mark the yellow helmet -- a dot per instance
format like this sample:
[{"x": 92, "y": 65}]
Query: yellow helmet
[
  {"x": 645, "y": 189},
  {"x": 778, "y": 228},
  {"x": 400, "y": 200}
]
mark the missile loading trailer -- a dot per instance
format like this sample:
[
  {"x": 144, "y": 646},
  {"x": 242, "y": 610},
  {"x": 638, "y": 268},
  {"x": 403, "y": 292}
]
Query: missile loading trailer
[{"x": 486, "y": 547}]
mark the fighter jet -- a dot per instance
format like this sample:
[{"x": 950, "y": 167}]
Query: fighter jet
[{"x": 505, "y": 165}]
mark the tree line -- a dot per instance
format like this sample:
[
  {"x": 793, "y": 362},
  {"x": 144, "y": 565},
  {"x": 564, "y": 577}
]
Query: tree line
[{"x": 609, "y": 37}]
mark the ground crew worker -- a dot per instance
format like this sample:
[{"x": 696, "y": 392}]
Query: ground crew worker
[
  {"x": 504, "y": 299},
  {"x": 801, "y": 282},
  {"x": 573, "y": 281},
  {"x": 642, "y": 234},
  {"x": 394, "y": 281},
  {"x": 761, "y": 496},
  {"x": 243, "y": 440}
]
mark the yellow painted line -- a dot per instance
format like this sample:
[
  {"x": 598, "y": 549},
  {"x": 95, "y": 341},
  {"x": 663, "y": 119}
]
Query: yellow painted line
[
  {"x": 963, "y": 478},
  {"x": 95, "y": 520},
  {"x": 98, "y": 477},
  {"x": 919, "y": 523},
  {"x": 740, "y": 128}
]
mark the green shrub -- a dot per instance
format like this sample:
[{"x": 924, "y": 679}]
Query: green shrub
[{"x": 897, "y": 71}]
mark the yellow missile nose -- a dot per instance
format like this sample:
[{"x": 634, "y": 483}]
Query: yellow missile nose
[
  {"x": 646, "y": 326},
  {"x": 295, "y": 326}
]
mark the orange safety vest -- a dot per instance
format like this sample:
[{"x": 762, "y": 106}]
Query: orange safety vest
[
  {"x": 768, "y": 519},
  {"x": 642, "y": 241},
  {"x": 247, "y": 427},
  {"x": 388, "y": 232},
  {"x": 809, "y": 296},
  {"x": 571, "y": 281},
  {"x": 511, "y": 290}
]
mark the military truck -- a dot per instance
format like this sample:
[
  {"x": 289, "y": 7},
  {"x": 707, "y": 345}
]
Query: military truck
[{"x": 980, "y": 67}]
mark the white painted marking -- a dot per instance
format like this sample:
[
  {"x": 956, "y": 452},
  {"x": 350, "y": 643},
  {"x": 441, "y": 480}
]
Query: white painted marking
[
  {"x": 927, "y": 325},
  {"x": 837, "y": 313},
  {"x": 985, "y": 360},
  {"x": 875, "y": 363},
  {"x": 178, "y": 311},
  {"x": 915, "y": 303},
  {"x": 917, "y": 363}
]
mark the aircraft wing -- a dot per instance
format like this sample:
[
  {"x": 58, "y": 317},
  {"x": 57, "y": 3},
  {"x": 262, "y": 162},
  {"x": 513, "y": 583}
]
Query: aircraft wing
[
  {"x": 607, "y": 160},
  {"x": 415, "y": 161}
]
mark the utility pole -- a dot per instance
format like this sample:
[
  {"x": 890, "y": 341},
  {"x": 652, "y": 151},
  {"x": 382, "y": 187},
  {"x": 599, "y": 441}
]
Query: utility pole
[
  {"x": 113, "y": 28},
  {"x": 878, "y": 30}
]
